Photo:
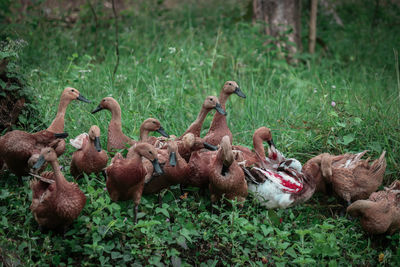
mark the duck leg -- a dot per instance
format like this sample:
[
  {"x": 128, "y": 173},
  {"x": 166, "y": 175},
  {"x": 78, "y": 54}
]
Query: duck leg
[
  {"x": 160, "y": 199},
  {"x": 135, "y": 212}
]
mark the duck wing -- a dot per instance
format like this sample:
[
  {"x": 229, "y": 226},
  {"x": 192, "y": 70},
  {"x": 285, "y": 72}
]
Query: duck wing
[{"x": 290, "y": 182}]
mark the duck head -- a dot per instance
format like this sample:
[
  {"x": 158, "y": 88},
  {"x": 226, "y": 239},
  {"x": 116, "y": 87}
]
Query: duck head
[
  {"x": 227, "y": 154},
  {"x": 188, "y": 140},
  {"x": 212, "y": 102},
  {"x": 94, "y": 136},
  {"x": 231, "y": 87},
  {"x": 264, "y": 134},
  {"x": 149, "y": 152},
  {"x": 46, "y": 154},
  {"x": 153, "y": 125},
  {"x": 107, "y": 103},
  {"x": 70, "y": 94}
]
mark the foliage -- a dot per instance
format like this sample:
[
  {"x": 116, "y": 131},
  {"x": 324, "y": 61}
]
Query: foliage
[
  {"x": 345, "y": 99},
  {"x": 14, "y": 87}
]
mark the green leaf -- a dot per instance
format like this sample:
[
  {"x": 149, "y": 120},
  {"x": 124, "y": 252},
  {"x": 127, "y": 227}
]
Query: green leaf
[
  {"x": 347, "y": 139},
  {"x": 163, "y": 211},
  {"x": 290, "y": 251}
]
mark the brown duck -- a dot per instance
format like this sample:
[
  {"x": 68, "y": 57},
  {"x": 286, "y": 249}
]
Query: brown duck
[
  {"x": 126, "y": 176},
  {"x": 151, "y": 125},
  {"x": 20, "y": 150},
  {"x": 210, "y": 103},
  {"x": 350, "y": 177},
  {"x": 226, "y": 177},
  {"x": 219, "y": 127},
  {"x": 89, "y": 158},
  {"x": 381, "y": 212},
  {"x": 56, "y": 203},
  {"x": 249, "y": 158},
  {"x": 116, "y": 138}
]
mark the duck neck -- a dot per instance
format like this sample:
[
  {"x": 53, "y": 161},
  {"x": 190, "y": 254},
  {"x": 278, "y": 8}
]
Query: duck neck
[
  {"x": 259, "y": 146},
  {"x": 144, "y": 134},
  {"x": 57, "y": 126},
  {"x": 135, "y": 158},
  {"x": 58, "y": 176},
  {"x": 219, "y": 120},
  {"x": 90, "y": 147},
  {"x": 115, "y": 126},
  {"x": 195, "y": 127}
]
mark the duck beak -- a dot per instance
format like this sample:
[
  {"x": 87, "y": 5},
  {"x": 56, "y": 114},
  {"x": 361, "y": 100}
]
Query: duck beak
[
  {"x": 271, "y": 142},
  {"x": 272, "y": 152},
  {"x": 83, "y": 99},
  {"x": 162, "y": 132},
  {"x": 172, "y": 159},
  {"x": 61, "y": 135},
  {"x": 97, "y": 109},
  {"x": 157, "y": 167},
  {"x": 239, "y": 92},
  {"x": 97, "y": 143},
  {"x": 39, "y": 163},
  {"x": 220, "y": 110},
  {"x": 210, "y": 146}
]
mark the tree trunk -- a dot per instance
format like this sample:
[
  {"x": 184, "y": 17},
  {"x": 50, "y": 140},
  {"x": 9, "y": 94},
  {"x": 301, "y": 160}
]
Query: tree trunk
[
  {"x": 312, "y": 34},
  {"x": 282, "y": 19}
]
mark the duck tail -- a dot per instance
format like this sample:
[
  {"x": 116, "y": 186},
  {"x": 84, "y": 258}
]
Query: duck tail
[
  {"x": 358, "y": 156},
  {"x": 248, "y": 176},
  {"x": 378, "y": 167}
]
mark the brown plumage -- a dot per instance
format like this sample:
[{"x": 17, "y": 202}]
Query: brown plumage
[
  {"x": 56, "y": 203},
  {"x": 175, "y": 168},
  {"x": 116, "y": 138},
  {"x": 381, "y": 212},
  {"x": 226, "y": 177},
  {"x": 200, "y": 168},
  {"x": 211, "y": 102},
  {"x": 89, "y": 158},
  {"x": 219, "y": 127},
  {"x": 20, "y": 149},
  {"x": 126, "y": 176},
  {"x": 350, "y": 177},
  {"x": 249, "y": 158},
  {"x": 152, "y": 125}
]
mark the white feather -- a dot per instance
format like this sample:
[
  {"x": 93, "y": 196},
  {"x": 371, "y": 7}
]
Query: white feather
[{"x": 78, "y": 141}]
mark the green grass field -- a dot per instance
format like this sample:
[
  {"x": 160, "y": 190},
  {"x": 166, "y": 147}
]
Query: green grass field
[{"x": 170, "y": 61}]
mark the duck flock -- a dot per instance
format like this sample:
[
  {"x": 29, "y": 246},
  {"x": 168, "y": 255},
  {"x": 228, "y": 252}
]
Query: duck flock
[{"x": 211, "y": 162}]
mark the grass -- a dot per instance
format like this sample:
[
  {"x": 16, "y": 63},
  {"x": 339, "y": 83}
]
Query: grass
[{"x": 168, "y": 65}]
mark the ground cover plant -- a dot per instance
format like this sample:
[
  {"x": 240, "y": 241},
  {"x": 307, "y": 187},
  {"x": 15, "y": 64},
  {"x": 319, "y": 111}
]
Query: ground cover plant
[{"x": 345, "y": 99}]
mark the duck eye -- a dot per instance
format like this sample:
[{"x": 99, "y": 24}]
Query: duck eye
[
  {"x": 230, "y": 83},
  {"x": 154, "y": 122},
  {"x": 72, "y": 90},
  {"x": 151, "y": 152}
]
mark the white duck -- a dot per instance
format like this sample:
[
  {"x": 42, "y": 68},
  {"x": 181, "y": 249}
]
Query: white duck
[{"x": 277, "y": 182}]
